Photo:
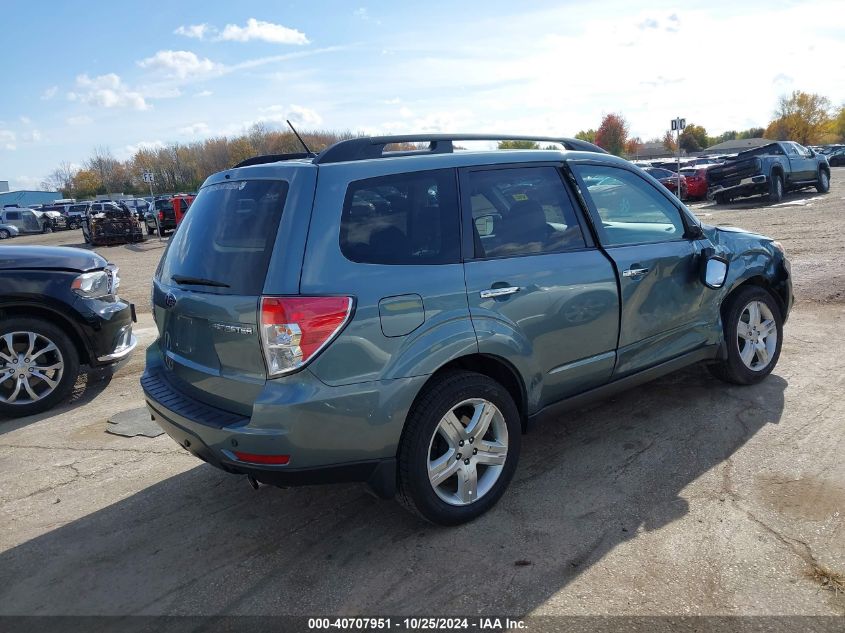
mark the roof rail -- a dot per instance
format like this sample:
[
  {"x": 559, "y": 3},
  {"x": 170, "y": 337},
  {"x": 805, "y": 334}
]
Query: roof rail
[
  {"x": 365, "y": 147},
  {"x": 271, "y": 158}
]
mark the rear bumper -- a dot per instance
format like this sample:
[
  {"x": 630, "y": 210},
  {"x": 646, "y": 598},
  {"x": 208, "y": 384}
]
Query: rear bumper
[
  {"x": 332, "y": 434},
  {"x": 745, "y": 187}
]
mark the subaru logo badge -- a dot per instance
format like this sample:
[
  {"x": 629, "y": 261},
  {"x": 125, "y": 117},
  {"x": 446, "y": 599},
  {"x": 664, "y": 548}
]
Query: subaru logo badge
[{"x": 170, "y": 300}]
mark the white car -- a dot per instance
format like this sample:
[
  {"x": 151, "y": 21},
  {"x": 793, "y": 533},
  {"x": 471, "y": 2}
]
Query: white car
[{"x": 7, "y": 231}]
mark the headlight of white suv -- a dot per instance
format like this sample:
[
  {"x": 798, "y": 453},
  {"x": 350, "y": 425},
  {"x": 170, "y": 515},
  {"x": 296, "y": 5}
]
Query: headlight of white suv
[{"x": 93, "y": 285}]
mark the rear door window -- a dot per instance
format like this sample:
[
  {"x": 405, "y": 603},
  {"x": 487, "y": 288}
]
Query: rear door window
[
  {"x": 228, "y": 236},
  {"x": 409, "y": 218},
  {"x": 522, "y": 211}
]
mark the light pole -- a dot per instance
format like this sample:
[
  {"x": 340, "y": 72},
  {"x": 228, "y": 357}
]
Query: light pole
[{"x": 678, "y": 124}]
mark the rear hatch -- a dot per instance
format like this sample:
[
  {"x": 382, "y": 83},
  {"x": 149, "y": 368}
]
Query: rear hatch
[{"x": 208, "y": 287}]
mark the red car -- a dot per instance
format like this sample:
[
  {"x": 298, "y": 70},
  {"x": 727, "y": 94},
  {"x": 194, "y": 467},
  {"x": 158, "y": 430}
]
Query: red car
[
  {"x": 696, "y": 180},
  {"x": 669, "y": 179}
]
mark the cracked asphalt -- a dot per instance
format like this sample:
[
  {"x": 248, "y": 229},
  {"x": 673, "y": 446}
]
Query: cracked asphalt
[{"x": 685, "y": 496}]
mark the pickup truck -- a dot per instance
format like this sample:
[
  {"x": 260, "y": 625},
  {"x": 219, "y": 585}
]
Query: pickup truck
[{"x": 770, "y": 170}]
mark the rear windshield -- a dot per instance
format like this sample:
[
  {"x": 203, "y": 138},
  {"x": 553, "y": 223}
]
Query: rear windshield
[{"x": 227, "y": 237}]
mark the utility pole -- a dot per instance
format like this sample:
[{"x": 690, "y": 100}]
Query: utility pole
[{"x": 678, "y": 124}]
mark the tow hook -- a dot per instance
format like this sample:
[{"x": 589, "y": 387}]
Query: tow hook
[{"x": 253, "y": 482}]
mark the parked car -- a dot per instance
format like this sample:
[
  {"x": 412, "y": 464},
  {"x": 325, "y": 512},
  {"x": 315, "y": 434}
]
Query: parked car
[
  {"x": 106, "y": 223},
  {"x": 58, "y": 309},
  {"x": 50, "y": 219},
  {"x": 669, "y": 179},
  {"x": 137, "y": 206},
  {"x": 362, "y": 316},
  {"x": 696, "y": 179},
  {"x": 23, "y": 218},
  {"x": 163, "y": 209},
  {"x": 75, "y": 213},
  {"x": 836, "y": 158},
  {"x": 8, "y": 231},
  {"x": 771, "y": 170}
]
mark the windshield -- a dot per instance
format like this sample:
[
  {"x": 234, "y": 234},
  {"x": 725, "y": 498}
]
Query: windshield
[{"x": 228, "y": 236}]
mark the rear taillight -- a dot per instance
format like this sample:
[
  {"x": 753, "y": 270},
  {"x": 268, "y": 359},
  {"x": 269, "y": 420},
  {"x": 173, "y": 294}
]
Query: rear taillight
[
  {"x": 295, "y": 329},
  {"x": 161, "y": 215}
]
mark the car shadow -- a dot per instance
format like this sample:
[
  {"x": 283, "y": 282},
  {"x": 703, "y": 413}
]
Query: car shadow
[
  {"x": 202, "y": 542},
  {"x": 90, "y": 383},
  {"x": 794, "y": 198}
]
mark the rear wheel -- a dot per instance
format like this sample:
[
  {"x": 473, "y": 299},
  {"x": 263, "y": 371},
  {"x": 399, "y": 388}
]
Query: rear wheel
[
  {"x": 823, "y": 184},
  {"x": 38, "y": 366},
  {"x": 776, "y": 188},
  {"x": 459, "y": 449},
  {"x": 150, "y": 230},
  {"x": 4, "y": 234},
  {"x": 753, "y": 327},
  {"x": 721, "y": 198}
]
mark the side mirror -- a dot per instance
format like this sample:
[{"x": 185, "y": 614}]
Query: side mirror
[{"x": 714, "y": 269}]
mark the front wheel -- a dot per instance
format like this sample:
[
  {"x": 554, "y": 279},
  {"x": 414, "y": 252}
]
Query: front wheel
[
  {"x": 38, "y": 366},
  {"x": 823, "y": 183},
  {"x": 776, "y": 188},
  {"x": 753, "y": 326},
  {"x": 4, "y": 234},
  {"x": 459, "y": 449}
]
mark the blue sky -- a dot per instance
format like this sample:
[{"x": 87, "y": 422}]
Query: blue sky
[{"x": 122, "y": 75}]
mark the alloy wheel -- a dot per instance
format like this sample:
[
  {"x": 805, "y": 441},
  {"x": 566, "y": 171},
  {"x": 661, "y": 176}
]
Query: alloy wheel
[
  {"x": 467, "y": 452},
  {"x": 756, "y": 335},
  {"x": 31, "y": 367}
]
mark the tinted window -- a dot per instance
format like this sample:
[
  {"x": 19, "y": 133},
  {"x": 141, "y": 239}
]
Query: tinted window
[
  {"x": 632, "y": 211},
  {"x": 522, "y": 211},
  {"x": 13, "y": 215},
  {"x": 401, "y": 219},
  {"x": 228, "y": 236}
]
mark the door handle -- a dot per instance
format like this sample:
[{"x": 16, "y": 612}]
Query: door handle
[
  {"x": 498, "y": 292},
  {"x": 635, "y": 273}
]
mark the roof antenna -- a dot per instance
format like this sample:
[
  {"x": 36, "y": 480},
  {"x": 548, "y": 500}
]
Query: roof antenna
[{"x": 300, "y": 138}]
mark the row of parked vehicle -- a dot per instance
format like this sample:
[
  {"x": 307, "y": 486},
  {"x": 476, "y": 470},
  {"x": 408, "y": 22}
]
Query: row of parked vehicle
[
  {"x": 102, "y": 221},
  {"x": 770, "y": 170}
]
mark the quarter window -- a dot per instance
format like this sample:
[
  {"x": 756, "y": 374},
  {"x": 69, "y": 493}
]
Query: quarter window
[
  {"x": 631, "y": 210},
  {"x": 522, "y": 211},
  {"x": 409, "y": 218}
]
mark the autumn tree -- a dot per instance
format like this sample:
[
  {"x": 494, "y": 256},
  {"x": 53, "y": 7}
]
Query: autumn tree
[
  {"x": 60, "y": 179},
  {"x": 612, "y": 134},
  {"x": 86, "y": 184},
  {"x": 669, "y": 141},
  {"x": 633, "y": 146},
  {"x": 802, "y": 117}
]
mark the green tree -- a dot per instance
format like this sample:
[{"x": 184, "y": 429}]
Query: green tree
[
  {"x": 518, "y": 145},
  {"x": 587, "y": 135},
  {"x": 612, "y": 134},
  {"x": 694, "y": 138}
]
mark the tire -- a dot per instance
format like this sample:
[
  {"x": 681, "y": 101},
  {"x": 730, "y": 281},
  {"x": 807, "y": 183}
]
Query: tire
[
  {"x": 4, "y": 234},
  {"x": 16, "y": 400},
  {"x": 47, "y": 229},
  {"x": 721, "y": 198},
  {"x": 150, "y": 231},
  {"x": 737, "y": 368},
  {"x": 456, "y": 499},
  {"x": 776, "y": 188},
  {"x": 823, "y": 184}
]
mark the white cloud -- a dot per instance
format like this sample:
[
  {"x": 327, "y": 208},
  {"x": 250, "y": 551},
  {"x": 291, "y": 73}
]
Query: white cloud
[
  {"x": 32, "y": 136},
  {"x": 25, "y": 183},
  {"x": 79, "y": 120},
  {"x": 131, "y": 150},
  {"x": 195, "y": 129},
  {"x": 406, "y": 112},
  {"x": 203, "y": 93},
  {"x": 196, "y": 31},
  {"x": 107, "y": 91},
  {"x": 264, "y": 31},
  {"x": 49, "y": 93},
  {"x": 303, "y": 116},
  {"x": 7, "y": 139},
  {"x": 180, "y": 64},
  {"x": 25, "y": 120}
]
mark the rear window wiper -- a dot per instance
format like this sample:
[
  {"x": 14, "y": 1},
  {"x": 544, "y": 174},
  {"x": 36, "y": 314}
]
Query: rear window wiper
[{"x": 197, "y": 281}]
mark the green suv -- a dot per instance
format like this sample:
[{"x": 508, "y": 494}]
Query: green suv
[{"x": 400, "y": 317}]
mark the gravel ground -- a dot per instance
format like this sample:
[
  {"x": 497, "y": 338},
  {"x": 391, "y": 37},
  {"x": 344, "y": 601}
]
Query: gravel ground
[{"x": 682, "y": 497}]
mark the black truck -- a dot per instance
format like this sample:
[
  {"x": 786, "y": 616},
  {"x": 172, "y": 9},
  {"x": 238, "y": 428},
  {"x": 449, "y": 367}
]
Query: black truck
[{"x": 770, "y": 170}]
